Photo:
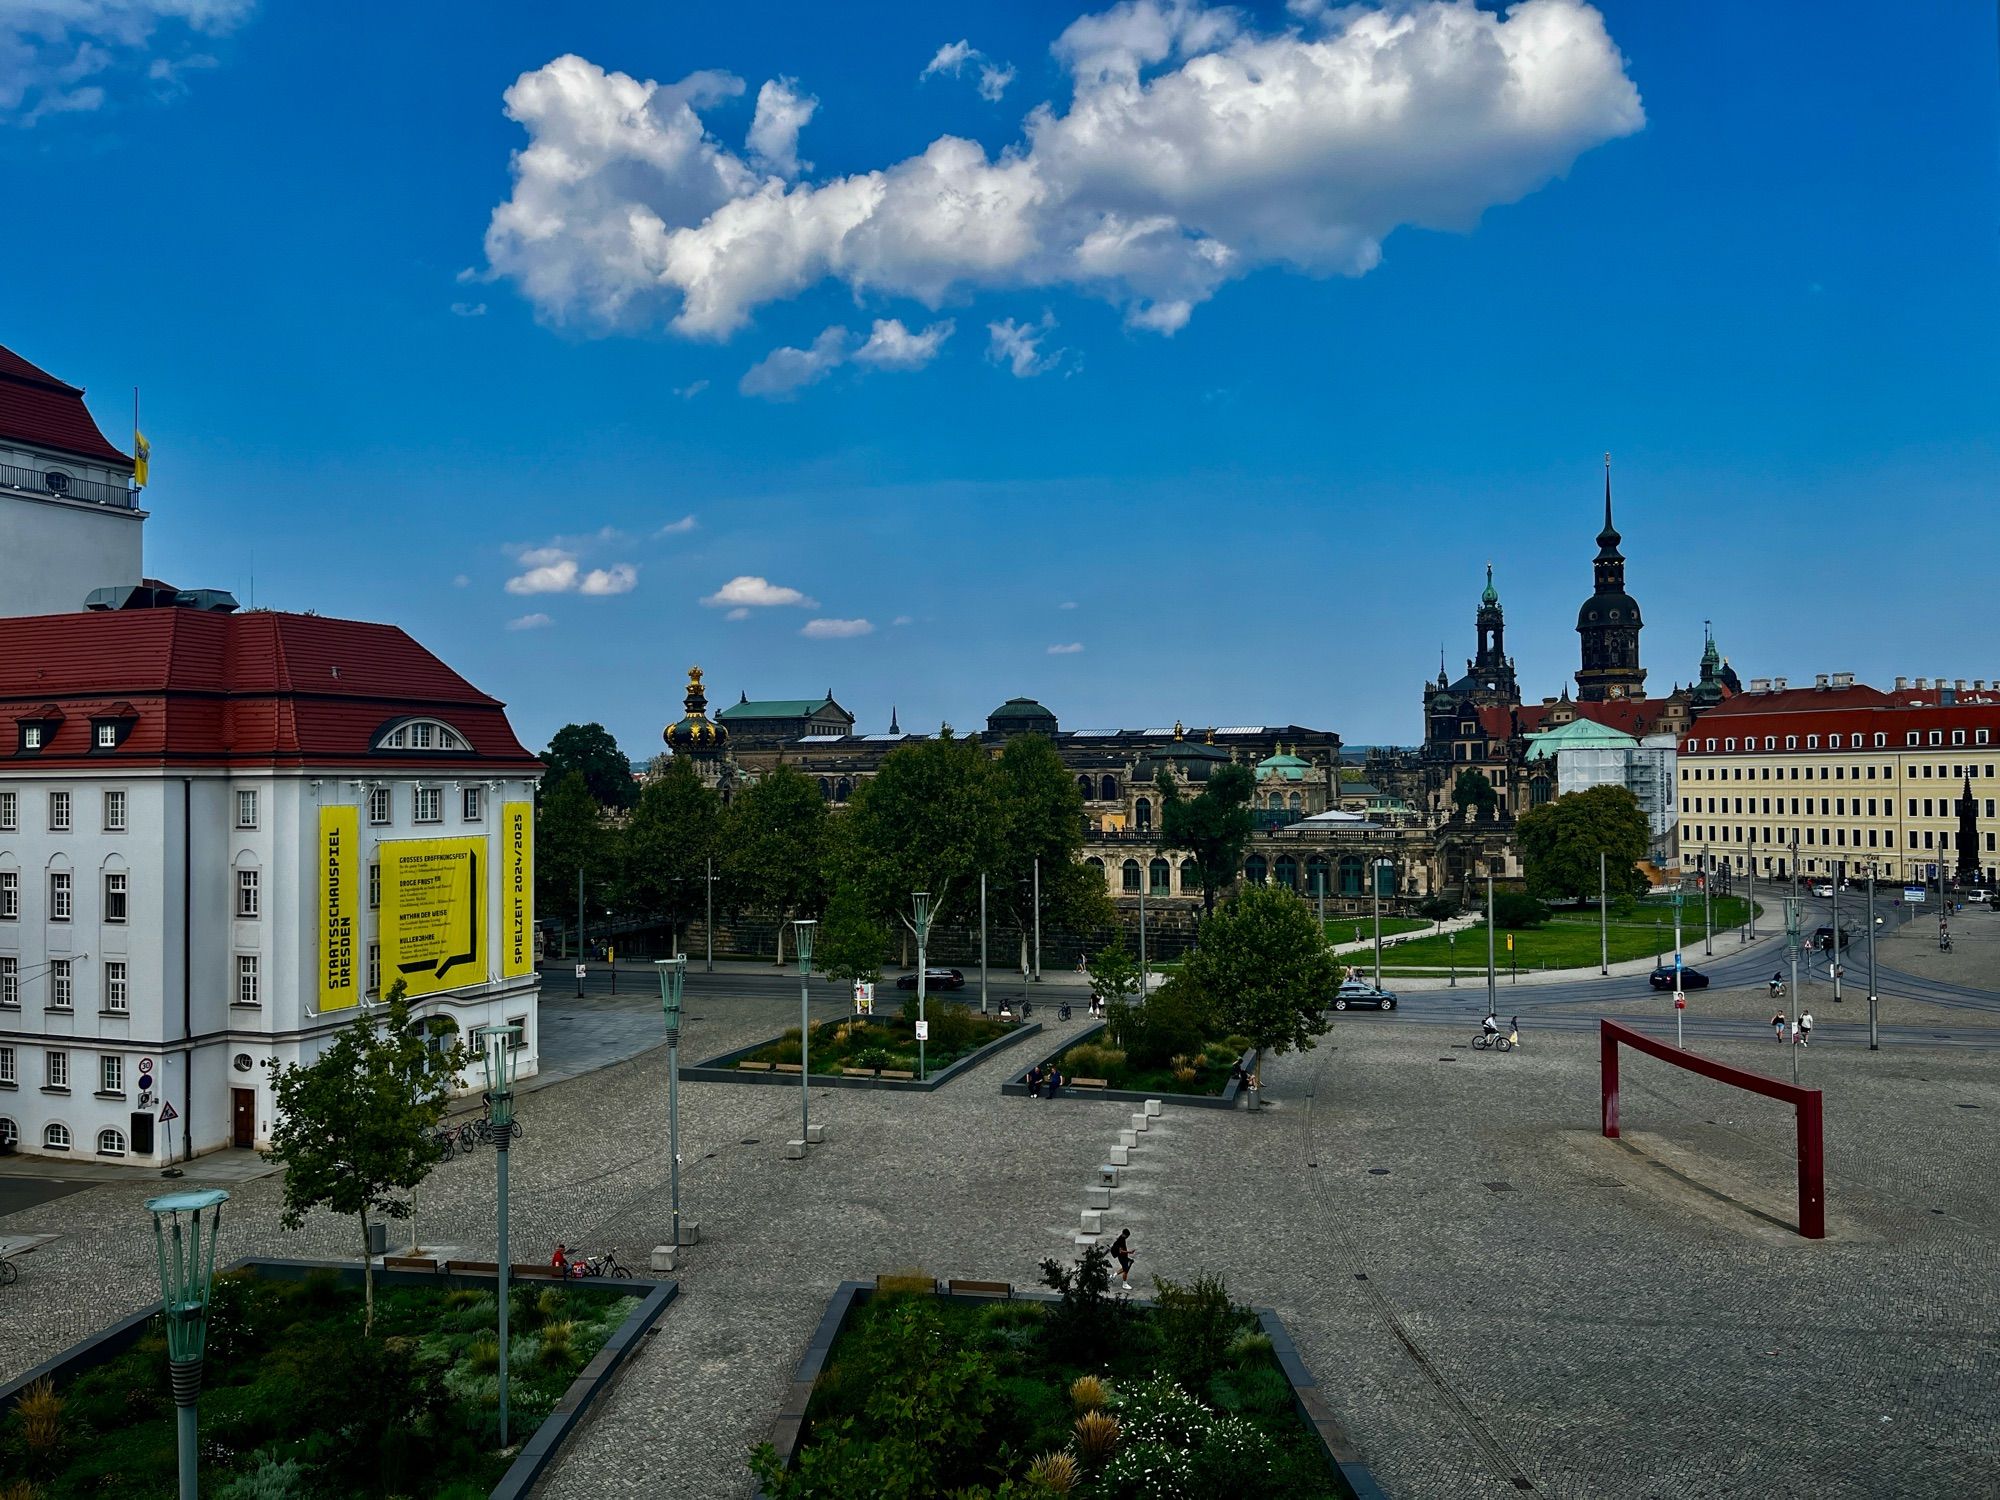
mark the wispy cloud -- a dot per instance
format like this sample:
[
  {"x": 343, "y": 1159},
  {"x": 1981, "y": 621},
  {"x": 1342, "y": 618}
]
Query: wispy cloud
[
  {"x": 738, "y": 613},
  {"x": 460, "y": 581},
  {"x": 73, "y": 56},
  {"x": 1067, "y": 604},
  {"x": 951, "y": 59},
  {"x": 692, "y": 389},
  {"x": 835, "y": 630},
  {"x": 784, "y": 372},
  {"x": 529, "y": 622},
  {"x": 1069, "y": 650},
  {"x": 1019, "y": 346},
  {"x": 903, "y": 620},
  {"x": 747, "y": 591},
  {"x": 677, "y": 528},
  {"x": 468, "y": 309}
]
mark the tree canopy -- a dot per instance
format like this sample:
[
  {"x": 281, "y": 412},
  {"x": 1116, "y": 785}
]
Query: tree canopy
[
  {"x": 590, "y": 751},
  {"x": 666, "y": 844},
  {"x": 571, "y": 836},
  {"x": 1265, "y": 967},
  {"x": 1043, "y": 813},
  {"x": 774, "y": 847},
  {"x": 1560, "y": 842},
  {"x": 852, "y": 941},
  {"x": 1214, "y": 826},
  {"x": 929, "y": 820},
  {"x": 354, "y": 1127},
  {"x": 1113, "y": 973},
  {"x": 1472, "y": 790}
]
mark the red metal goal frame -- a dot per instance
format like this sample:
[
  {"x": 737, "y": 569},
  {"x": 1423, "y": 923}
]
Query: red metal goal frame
[{"x": 1806, "y": 1102}]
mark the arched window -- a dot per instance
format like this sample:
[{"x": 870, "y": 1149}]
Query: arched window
[
  {"x": 1110, "y": 789},
  {"x": 1385, "y": 879},
  {"x": 1142, "y": 813},
  {"x": 1088, "y": 787},
  {"x": 1287, "y": 872},
  {"x": 10, "y": 1133},
  {"x": 56, "y": 1137},
  {"x": 1190, "y": 878},
  {"x": 1157, "y": 875},
  {"x": 110, "y": 1143},
  {"x": 1254, "y": 869},
  {"x": 418, "y": 734},
  {"x": 1350, "y": 875},
  {"x": 1131, "y": 874},
  {"x": 1295, "y": 802},
  {"x": 843, "y": 789},
  {"x": 825, "y": 790},
  {"x": 1319, "y": 876},
  {"x": 1097, "y": 864}
]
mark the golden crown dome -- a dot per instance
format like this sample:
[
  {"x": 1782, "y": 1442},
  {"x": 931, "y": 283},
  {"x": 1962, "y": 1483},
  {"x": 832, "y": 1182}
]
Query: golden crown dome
[{"x": 695, "y": 732}]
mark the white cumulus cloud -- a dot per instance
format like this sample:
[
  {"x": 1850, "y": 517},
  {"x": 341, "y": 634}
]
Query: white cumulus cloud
[
  {"x": 748, "y": 591},
  {"x": 619, "y": 578},
  {"x": 891, "y": 346},
  {"x": 1069, "y": 650},
  {"x": 786, "y": 370},
  {"x": 70, "y": 56},
  {"x": 1195, "y": 147},
  {"x": 782, "y": 112},
  {"x": 554, "y": 568},
  {"x": 835, "y": 630},
  {"x": 546, "y": 570},
  {"x": 993, "y": 80},
  {"x": 529, "y": 622}
]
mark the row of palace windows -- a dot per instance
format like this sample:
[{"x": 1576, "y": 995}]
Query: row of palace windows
[
  {"x": 1694, "y": 833},
  {"x": 1947, "y": 807},
  {"x": 426, "y": 806},
  {"x": 1346, "y": 877},
  {"x": 1912, "y": 739}
]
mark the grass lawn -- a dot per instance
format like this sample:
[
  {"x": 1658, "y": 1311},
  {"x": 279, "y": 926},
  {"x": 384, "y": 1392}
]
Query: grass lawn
[
  {"x": 1569, "y": 940},
  {"x": 1203, "y": 1072},
  {"x": 298, "y": 1402},
  {"x": 1101, "y": 1400},
  {"x": 1343, "y": 929},
  {"x": 889, "y": 1041}
]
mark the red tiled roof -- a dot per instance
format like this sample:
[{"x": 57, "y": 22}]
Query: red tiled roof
[
  {"x": 1633, "y": 716},
  {"x": 37, "y": 408},
  {"x": 212, "y": 688},
  {"x": 1802, "y": 700},
  {"x": 1850, "y": 719}
]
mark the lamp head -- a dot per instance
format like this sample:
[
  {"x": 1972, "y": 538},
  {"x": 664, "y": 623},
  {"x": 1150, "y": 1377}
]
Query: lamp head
[
  {"x": 802, "y": 937},
  {"x": 673, "y": 976},
  {"x": 499, "y": 1061},
  {"x": 186, "y": 1274}
]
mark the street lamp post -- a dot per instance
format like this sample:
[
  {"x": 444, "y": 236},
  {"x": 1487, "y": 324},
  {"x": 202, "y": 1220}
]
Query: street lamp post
[
  {"x": 1492, "y": 982},
  {"x": 1375, "y": 884},
  {"x": 982, "y": 942},
  {"x": 497, "y": 1058},
  {"x": 1680, "y": 1001},
  {"x": 186, "y": 1275},
  {"x": 802, "y": 944},
  {"x": 1874, "y": 1038},
  {"x": 1707, "y": 911},
  {"x": 920, "y": 904},
  {"x": 1451, "y": 947},
  {"x": 1603, "y": 921},
  {"x": 1144, "y": 881},
  {"x": 708, "y": 923},
  {"x": 1792, "y": 946},
  {"x": 1750, "y": 932},
  {"x": 673, "y": 975},
  {"x": 1038, "y": 915},
  {"x": 1839, "y": 875}
]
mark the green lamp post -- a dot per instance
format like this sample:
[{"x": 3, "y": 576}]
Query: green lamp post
[
  {"x": 673, "y": 975},
  {"x": 497, "y": 1057},
  {"x": 802, "y": 940},
  {"x": 186, "y": 1275}
]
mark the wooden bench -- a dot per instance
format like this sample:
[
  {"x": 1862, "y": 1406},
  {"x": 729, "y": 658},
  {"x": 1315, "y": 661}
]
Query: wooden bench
[
  {"x": 1085, "y": 1083},
  {"x": 962, "y": 1288},
  {"x": 472, "y": 1267},
  {"x": 902, "y": 1073},
  {"x": 524, "y": 1273},
  {"x": 409, "y": 1263},
  {"x": 753, "y": 1067},
  {"x": 785, "y": 1067},
  {"x": 858, "y": 1072}
]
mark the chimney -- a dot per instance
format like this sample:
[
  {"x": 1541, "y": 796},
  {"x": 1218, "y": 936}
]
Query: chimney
[
  {"x": 1920, "y": 684},
  {"x": 1902, "y": 683},
  {"x": 1819, "y": 682},
  {"x": 1843, "y": 679},
  {"x": 1958, "y": 683},
  {"x": 1760, "y": 684},
  {"x": 1979, "y": 684}
]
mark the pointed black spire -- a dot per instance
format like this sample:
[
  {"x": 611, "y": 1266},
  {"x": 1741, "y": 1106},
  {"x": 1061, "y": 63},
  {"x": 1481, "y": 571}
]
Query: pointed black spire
[
  {"x": 1607, "y": 539},
  {"x": 893, "y": 727}
]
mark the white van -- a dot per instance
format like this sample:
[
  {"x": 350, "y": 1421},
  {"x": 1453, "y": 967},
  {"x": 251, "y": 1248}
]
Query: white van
[{"x": 1978, "y": 898}]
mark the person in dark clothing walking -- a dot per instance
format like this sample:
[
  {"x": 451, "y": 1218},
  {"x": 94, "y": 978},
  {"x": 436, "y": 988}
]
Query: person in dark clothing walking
[{"x": 1121, "y": 1251}]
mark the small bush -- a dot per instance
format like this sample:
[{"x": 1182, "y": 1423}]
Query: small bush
[
  {"x": 483, "y": 1358},
  {"x": 1081, "y": 1321},
  {"x": 1053, "y": 1473},
  {"x": 1249, "y": 1348},
  {"x": 556, "y": 1350},
  {"x": 1514, "y": 910},
  {"x": 465, "y": 1296},
  {"x": 1194, "y": 1323},
  {"x": 41, "y": 1412},
  {"x": 1238, "y": 1045},
  {"x": 1184, "y": 1077},
  {"x": 272, "y": 1479},
  {"x": 1097, "y": 1437},
  {"x": 787, "y": 1051},
  {"x": 19, "y": 1489},
  {"x": 1088, "y": 1392}
]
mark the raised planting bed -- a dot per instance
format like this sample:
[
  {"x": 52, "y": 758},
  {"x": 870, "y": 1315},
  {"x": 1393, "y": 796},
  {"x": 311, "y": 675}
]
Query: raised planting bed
[
  {"x": 907, "y": 1389},
  {"x": 297, "y": 1401},
  {"x": 874, "y": 1052},
  {"x": 1090, "y": 1056}
]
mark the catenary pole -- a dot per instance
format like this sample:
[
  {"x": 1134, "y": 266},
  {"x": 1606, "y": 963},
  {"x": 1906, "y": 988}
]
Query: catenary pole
[
  {"x": 982, "y": 942},
  {"x": 1874, "y": 1038},
  {"x": 1492, "y": 983},
  {"x": 1839, "y": 874},
  {"x": 1603, "y": 921},
  {"x": 1038, "y": 916}
]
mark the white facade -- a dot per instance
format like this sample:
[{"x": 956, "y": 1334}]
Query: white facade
[
  {"x": 1646, "y": 769},
  {"x": 211, "y": 970},
  {"x": 55, "y": 549}
]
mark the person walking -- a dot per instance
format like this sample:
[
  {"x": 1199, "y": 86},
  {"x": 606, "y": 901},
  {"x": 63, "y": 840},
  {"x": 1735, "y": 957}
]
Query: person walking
[
  {"x": 1121, "y": 1251},
  {"x": 1805, "y": 1028},
  {"x": 1778, "y": 1025},
  {"x": 1795, "y": 1033},
  {"x": 1514, "y": 1032}
]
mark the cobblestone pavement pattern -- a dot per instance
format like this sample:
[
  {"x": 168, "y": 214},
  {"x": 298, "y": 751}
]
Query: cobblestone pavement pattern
[{"x": 1513, "y": 1299}]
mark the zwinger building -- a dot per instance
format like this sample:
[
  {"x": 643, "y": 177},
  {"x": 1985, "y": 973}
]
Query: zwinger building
[{"x": 1843, "y": 776}]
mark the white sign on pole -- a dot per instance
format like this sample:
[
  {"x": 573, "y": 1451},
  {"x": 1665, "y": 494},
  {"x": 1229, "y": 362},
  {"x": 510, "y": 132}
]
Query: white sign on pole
[
  {"x": 864, "y": 997},
  {"x": 923, "y": 1031},
  {"x": 579, "y": 971},
  {"x": 1914, "y": 894}
]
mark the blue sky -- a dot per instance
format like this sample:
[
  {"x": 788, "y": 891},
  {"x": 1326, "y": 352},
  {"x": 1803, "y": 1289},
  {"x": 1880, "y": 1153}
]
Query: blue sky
[{"x": 1251, "y": 480}]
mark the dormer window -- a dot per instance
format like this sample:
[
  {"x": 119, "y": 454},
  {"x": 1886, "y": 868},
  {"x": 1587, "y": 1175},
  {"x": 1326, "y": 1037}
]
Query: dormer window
[
  {"x": 420, "y": 735},
  {"x": 38, "y": 729},
  {"x": 109, "y": 729}
]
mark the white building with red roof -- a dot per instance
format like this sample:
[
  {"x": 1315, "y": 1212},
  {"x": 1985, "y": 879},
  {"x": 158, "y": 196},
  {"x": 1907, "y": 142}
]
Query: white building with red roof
[
  {"x": 220, "y": 834},
  {"x": 70, "y": 521}
]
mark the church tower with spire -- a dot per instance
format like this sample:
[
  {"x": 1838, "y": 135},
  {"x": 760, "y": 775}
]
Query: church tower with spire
[{"x": 1609, "y": 622}]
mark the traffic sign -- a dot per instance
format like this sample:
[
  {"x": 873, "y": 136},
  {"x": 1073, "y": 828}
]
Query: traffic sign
[
  {"x": 145, "y": 1078},
  {"x": 168, "y": 1112},
  {"x": 145, "y": 1065},
  {"x": 1680, "y": 1005},
  {"x": 579, "y": 971},
  {"x": 923, "y": 1031}
]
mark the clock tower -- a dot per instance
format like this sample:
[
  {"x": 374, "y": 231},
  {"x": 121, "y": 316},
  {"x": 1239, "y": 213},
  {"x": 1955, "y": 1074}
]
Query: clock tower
[{"x": 1609, "y": 622}]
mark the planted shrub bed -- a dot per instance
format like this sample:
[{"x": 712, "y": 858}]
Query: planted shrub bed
[
  {"x": 299, "y": 1401},
  {"x": 887, "y": 1043},
  {"x": 1080, "y": 1394},
  {"x": 1203, "y": 1072}
]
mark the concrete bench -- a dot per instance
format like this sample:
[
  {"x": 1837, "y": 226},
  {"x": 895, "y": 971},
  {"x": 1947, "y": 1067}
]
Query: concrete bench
[
  {"x": 409, "y": 1263},
  {"x": 753, "y": 1067},
  {"x": 963, "y": 1288},
  {"x": 902, "y": 1073},
  {"x": 1089, "y": 1083}
]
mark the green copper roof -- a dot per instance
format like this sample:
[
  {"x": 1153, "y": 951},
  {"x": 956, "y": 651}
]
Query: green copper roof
[
  {"x": 1578, "y": 734},
  {"x": 1492, "y": 595},
  {"x": 775, "y": 708}
]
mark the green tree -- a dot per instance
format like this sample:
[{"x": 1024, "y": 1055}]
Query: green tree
[
  {"x": 571, "y": 837},
  {"x": 1561, "y": 840},
  {"x": 1043, "y": 812},
  {"x": 1473, "y": 790},
  {"x": 666, "y": 844},
  {"x": 1213, "y": 826},
  {"x": 1113, "y": 973},
  {"x": 852, "y": 942},
  {"x": 1265, "y": 966},
  {"x": 590, "y": 751},
  {"x": 930, "y": 820},
  {"x": 354, "y": 1127},
  {"x": 774, "y": 847}
]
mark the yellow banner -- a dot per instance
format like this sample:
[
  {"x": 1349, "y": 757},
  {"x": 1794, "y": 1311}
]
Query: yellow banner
[
  {"x": 339, "y": 866},
  {"x": 517, "y": 889},
  {"x": 433, "y": 913}
]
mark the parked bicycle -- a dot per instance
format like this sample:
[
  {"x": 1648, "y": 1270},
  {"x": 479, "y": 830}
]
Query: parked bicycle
[
  {"x": 9, "y": 1273},
  {"x": 446, "y": 1141},
  {"x": 599, "y": 1265}
]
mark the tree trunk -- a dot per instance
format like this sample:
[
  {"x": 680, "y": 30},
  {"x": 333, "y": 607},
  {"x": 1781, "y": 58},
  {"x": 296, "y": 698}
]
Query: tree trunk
[
  {"x": 367, "y": 1276},
  {"x": 781, "y": 941}
]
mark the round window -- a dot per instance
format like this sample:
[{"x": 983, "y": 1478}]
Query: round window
[
  {"x": 56, "y": 481},
  {"x": 241, "y": 1062}
]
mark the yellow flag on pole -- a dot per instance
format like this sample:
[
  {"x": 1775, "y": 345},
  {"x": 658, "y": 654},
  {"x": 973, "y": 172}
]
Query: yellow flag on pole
[{"x": 142, "y": 458}]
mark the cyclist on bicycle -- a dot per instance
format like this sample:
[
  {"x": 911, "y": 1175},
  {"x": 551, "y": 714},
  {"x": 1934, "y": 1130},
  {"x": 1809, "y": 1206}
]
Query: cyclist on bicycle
[{"x": 1491, "y": 1024}]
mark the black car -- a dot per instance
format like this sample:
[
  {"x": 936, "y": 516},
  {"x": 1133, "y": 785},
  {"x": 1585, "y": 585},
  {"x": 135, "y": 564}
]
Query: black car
[
  {"x": 1824, "y": 938},
  {"x": 934, "y": 979},
  {"x": 1662, "y": 978}
]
